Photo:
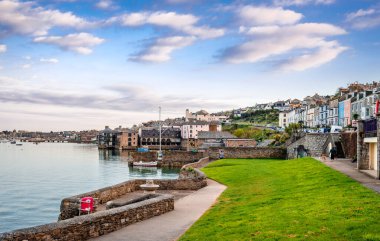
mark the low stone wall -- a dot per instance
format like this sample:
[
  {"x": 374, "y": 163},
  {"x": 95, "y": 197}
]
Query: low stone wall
[
  {"x": 199, "y": 164},
  {"x": 69, "y": 206},
  {"x": 248, "y": 152},
  {"x": 240, "y": 143},
  {"x": 170, "y": 158},
  {"x": 96, "y": 224}
]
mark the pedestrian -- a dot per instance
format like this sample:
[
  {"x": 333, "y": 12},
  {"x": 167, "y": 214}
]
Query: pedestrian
[{"x": 333, "y": 153}]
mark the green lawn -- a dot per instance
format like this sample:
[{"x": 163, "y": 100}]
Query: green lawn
[{"x": 294, "y": 199}]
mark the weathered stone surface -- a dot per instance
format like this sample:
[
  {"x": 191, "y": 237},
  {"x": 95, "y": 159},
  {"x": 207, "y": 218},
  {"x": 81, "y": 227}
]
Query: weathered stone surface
[
  {"x": 96, "y": 224},
  {"x": 170, "y": 158},
  {"x": 248, "y": 152},
  {"x": 349, "y": 144},
  {"x": 69, "y": 206},
  {"x": 314, "y": 142}
]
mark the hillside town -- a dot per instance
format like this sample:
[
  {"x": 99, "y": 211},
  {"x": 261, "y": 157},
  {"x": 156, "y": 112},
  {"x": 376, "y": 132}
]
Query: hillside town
[{"x": 356, "y": 102}]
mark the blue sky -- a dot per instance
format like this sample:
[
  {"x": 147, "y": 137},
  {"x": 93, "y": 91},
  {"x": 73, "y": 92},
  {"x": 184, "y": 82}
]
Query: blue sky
[{"x": 81, "y": 64}]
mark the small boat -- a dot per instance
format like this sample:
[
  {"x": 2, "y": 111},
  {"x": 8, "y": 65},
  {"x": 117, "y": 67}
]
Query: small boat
[
  {"x": 145, "y": 164},
  {"x": 13, "y": 142},
  {"x": 19, "y": 144}
]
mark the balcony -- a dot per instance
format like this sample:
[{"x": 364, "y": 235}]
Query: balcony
[{"x": 370, "y": 128}]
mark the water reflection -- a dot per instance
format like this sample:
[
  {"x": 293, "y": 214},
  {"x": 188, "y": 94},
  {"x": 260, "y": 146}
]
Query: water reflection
[{"x": 34, "y": 178}]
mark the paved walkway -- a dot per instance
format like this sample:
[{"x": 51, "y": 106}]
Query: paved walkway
[
  {"x": 171, "y": 225},
  {"x": 347, "y": 167}
]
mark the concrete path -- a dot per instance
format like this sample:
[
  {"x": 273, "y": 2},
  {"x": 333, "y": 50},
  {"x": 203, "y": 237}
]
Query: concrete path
[
  {"x": 347, "y": 167},
  {"x": 171, "y": 225}
]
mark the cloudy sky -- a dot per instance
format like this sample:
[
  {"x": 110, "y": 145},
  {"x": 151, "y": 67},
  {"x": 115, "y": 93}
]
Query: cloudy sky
[{"x": 83, "y": 64}]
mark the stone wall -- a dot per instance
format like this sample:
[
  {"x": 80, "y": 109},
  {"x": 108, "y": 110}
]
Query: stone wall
[
  {"x": 95, "y": 224},
  {"x": 170, "y": 158},
  {"x": 69, "y": 206},
  {"x": 199, "y": 164},
  {"x": 248, "y": 152},
  {"x": 314, "y": 142},
  {"x": 349, "y": 143},
  {"x": 190, "y": 171},
  {"x": 240, "y": 143}
]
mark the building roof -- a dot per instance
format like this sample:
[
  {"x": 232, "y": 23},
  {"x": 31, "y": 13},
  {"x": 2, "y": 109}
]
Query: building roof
[
  {"x": 166, "y": 132},
  {"x": 215, "y": 135},
  {"x": 201, "y": 112},
  {"x": 195, "y": 122},
  {"x": 107, "y": 130}
]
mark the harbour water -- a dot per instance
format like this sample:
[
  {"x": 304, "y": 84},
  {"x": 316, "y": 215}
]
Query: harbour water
[{"x": 35, "y": 178}]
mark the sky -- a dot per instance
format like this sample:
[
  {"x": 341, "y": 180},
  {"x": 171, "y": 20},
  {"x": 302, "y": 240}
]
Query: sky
[{"x": 84, "y": 64}]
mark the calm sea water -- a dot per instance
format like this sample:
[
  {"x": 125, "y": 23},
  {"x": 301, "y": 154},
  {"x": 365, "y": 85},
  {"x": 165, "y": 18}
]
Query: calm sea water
[{"x": 35, "y": 178}]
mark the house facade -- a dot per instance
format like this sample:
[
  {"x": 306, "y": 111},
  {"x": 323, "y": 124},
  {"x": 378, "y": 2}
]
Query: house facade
[
  {"x": 282, "y": 119},
  {"x": 203, "y": 115},
  {"x": 170, "y": 138},
  {"x": 368, "y": 140}
]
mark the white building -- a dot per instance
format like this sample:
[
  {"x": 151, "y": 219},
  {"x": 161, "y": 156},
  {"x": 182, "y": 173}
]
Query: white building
[
  {"x": 323, "y": 115},
  {"x": 203, "y": 115},
  {"x": 291, "y": 117},
  {"x": 282, "y": 119},
  {"x": 190, "y": 129},
  {"x": 310, "y": 117}
]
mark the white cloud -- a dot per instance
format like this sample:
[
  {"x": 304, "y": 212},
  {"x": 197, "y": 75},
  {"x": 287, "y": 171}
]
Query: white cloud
[
  {"x": 181, "y": 1},
  {"x": 185, "y": 23},
  {"x": 323, "y": 55},
  {"x": 106, "y": 5},
  {"x": 161, "y": 49},
  {"x": 266, "y": 42},
  {"x": 3, "y": 48},
  {"x": 255, "y": 16},
  {"x": 51, "y": 60},
  {"x": 302, "y": 2},
  {"x": 364, "y": 18},
  {"x": 26, "y": 18},
  {"x": 81, "y": 43},
  {"x": 360, "y": 13},
  {"x": 26, "y": 66}
]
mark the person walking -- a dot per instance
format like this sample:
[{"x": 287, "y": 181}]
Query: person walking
[{"x": 333, "y": 153}]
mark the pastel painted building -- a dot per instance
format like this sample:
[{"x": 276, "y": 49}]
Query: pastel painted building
[
  {"x": 347, "y": 112},
  {"x": 341, "y": 113}
]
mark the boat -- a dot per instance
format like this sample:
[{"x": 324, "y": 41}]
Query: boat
[
  {"x": 13, "y": 142},
  {"x": 145, "y": 164},
  {"x": 19, "y": 144}
]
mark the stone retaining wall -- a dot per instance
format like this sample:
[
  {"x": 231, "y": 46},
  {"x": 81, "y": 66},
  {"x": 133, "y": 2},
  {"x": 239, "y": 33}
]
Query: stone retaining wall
[
  {"x": 199, "y": 164},
  {"x": 314, "y": 142},
  {"x": 349, "y": 143},
  {"x": 170, "y": 158},
  {"x": 96, "y": 224},
  {"x": 248, "y": 152},
  {"x": 69, "y": 206}
]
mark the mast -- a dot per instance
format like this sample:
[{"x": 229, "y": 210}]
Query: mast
[{"x": 159, "y": 124}]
